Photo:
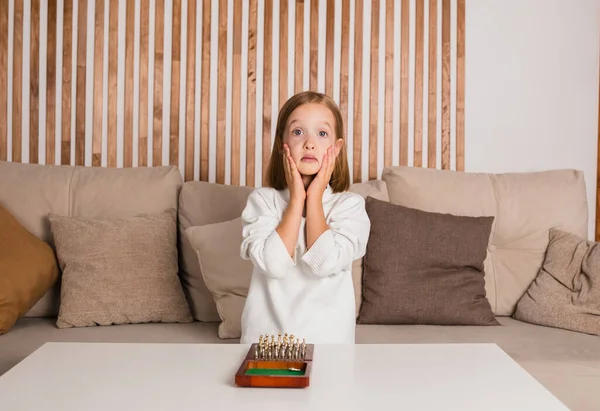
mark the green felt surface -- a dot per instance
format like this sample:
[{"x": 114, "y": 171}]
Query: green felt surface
[{"x": 271, "y": 371}]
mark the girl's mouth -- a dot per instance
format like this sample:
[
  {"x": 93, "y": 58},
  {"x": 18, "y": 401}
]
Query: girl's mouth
[{"x": 309, "y": 159}]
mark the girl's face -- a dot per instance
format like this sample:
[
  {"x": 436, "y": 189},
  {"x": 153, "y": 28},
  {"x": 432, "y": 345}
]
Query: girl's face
[{"x": 309, "y": 132}]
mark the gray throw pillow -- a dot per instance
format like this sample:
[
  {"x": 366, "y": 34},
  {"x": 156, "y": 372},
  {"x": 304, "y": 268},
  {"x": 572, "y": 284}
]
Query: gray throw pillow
[
  {"x": 566, "y": 292},
  {"x": 424, "y": 268}
]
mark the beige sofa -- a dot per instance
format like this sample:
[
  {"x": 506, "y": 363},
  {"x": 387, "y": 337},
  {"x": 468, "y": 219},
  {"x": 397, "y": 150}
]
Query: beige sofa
[{"x": 525, "y": 207}]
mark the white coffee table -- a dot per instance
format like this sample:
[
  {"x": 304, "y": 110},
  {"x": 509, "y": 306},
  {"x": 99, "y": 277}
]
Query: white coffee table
[{"x": 115, "y": 377}]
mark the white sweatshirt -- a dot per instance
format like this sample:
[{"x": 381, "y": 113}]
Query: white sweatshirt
[{"x": 312, "y": 294}]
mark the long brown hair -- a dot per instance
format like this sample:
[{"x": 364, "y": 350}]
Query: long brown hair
[{"x": 275, "y": 176}]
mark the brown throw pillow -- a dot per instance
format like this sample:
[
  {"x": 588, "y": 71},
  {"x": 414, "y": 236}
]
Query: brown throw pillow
[
  {"x": 119, "y": 271},
  {"x": 28, "y": 268},
  {"x": 566, "y": 292},
  {"x": 424, "y": 268}
]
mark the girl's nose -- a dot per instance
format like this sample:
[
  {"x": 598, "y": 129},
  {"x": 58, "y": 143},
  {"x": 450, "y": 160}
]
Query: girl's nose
[{"x": 309, "y": 144}]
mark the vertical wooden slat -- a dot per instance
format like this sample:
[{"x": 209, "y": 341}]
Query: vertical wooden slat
[
  {"x": 175, "y": 80},
  {"x": 597, "y": 237},
  {"x": 445, "y": 84},
  {"x": 81, "y": 79},
  {"x": 314, "y": 44},
  {"x": 128, "y": 120},
  {"x": 205, "y": 90},
  {"x": 65, "y": 148},
  {"x": 404, "y": 61},
  {"x": 358, "y": 57},
  {"x": 299, "y": 53},
  {"x": 98, "y": 84},
  {"x": 374, "y": 93},
  {"x": 283, "y": 51},
  {"x": 432, "y": 85},
  {"x": 51, "y": 83},
  {"x": 144, "y": 58},
  {"x": 266, "y": 138},
  {"x": 221, "y": 91},
  {"x": 251, "y": 92},
  {"x": 191, "y": 91},
  {"x": 113, "y": 44},
  {"x": 344, "y": 63},
  {"x": 329, "y": 48},
  {"x": 17, "y": 81},
  {"x": 418, "y": 111},
  {"x": 236, "y": 93},
  {"x": 389, "y": 83},
  {"x": 460, "y": 86},
  {"x": 34, "y": 82},
  {"x": 3, "y": 80},
  {"x": 175, "y": 84},
  {"x": 158, "y": 80}
]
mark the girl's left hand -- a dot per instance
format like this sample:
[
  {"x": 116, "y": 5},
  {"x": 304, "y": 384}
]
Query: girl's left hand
[{"x": 319, "y": 184}]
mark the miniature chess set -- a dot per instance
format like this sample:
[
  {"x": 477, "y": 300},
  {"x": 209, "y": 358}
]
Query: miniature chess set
[{"x": 282, "y": 361}]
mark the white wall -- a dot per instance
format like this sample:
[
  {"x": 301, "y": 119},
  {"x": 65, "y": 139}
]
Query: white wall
[{"x": 532, "y": 87}]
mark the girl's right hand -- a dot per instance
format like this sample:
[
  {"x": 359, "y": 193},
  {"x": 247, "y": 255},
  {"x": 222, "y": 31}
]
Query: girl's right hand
[{"x": 293, "y": 177}]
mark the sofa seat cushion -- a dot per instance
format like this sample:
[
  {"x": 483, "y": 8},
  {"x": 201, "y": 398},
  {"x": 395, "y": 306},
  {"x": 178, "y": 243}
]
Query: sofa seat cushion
[
  {"x": 28, "y": 334},
  {"x": 525, "y": 206},
  {"x": 567, "y": 363}
]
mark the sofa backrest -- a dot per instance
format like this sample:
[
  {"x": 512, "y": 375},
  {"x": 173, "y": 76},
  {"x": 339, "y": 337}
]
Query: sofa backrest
[
  {"x": 31, "y": 191},
  {"x": 524, "y": 206}
]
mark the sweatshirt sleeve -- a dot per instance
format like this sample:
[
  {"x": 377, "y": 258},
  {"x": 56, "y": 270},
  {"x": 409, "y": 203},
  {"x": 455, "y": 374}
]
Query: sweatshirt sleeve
[
  {"x": 344, "y": 242},
  {"x": 261, "y": 243}
]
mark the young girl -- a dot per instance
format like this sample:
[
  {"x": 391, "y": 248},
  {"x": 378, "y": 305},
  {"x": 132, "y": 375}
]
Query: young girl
[{"x": 304, "y": 230}]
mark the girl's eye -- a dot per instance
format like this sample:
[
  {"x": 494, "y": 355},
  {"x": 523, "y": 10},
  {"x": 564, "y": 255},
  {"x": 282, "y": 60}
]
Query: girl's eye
[
  {"x": 322, "y": 133},
  {"x": 296, "y": 132}
]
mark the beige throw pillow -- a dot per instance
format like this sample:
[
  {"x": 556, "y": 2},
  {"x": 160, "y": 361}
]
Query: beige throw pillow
[
  {"x": 119, "y": 271},
  {"x": 226, "y": 274},
  {"x": 566, "y": 292}
]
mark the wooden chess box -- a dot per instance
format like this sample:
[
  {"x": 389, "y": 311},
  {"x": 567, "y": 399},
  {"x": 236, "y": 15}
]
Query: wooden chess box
[{"x": 260, "y": 371}]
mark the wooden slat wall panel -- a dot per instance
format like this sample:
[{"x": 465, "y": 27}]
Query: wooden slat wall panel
[
  {"x": 34, "y": 82},
  {"x": 98, "y": 84},
  {"x": 3, "y": 81},
  {"x": 17, "y": 81},
  {"x": 191, "y": 91},
  {"x": 80, "y": 82},
  {"x": 350, "y": 72}
]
